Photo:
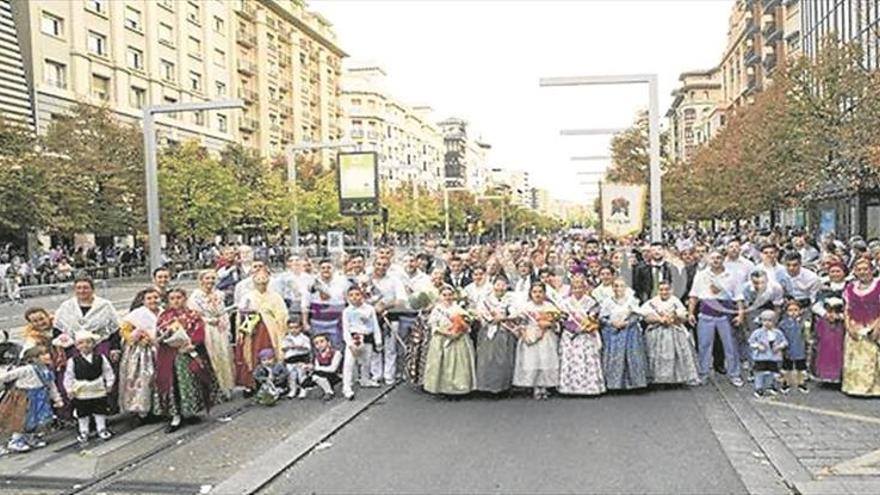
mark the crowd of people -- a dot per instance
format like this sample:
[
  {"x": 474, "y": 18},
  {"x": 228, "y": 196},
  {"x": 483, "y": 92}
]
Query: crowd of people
[{"x": 567, "y": 315}]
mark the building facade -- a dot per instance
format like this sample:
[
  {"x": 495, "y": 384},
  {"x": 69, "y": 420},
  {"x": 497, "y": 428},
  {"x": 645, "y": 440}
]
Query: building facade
[
  {"x": 127, "y": 54},
  {"x": 517, "y": 182},
  {"x": 690, "y": 116},
  {"x": 15, "y": 96},
  {"x": 852, "y": 20},
  {"x": 409, "y": 145}
]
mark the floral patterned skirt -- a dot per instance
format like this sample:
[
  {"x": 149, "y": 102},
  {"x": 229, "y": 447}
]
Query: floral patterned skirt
[
  {"x": 580, "y": 369},
  {"x": 861, "y": 367}
]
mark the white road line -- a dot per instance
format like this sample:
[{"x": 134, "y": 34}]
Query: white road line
[{"x": 827, "y": 412}]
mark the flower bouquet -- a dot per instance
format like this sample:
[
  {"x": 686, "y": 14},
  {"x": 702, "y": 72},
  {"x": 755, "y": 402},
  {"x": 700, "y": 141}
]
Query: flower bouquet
[
  {"x": 249, "y": 323},
  {"x": 460, "y": 323}
]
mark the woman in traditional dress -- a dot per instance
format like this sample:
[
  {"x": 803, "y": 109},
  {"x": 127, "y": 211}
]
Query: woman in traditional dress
[
  {"x": 829, "y": 324},
  {"x": 449, "y": 367},
  {"x": 87, "y": 312},
  {"x": 138, "y": 366},
  {"x": 580, "y": 346},
  {"x": 185, "y": 383},
  {"x": 262, "y": 323},
  {"x": 604, "y": 289},
  {"x": 496, "y": 342},
  {"x": 537, "y": 358},
  {"x": 208, "y": 302},
  {"x": 623, "y": 358},
  {"x": 861, "y": 358},
  {"x": 670, "y": 346}
]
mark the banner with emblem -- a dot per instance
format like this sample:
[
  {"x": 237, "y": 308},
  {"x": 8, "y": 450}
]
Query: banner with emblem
[{"x": 623, "y": 209}]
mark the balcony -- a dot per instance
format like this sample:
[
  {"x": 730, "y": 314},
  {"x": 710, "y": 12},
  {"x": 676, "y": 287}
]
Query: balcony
[
  {"x": 751, "y": 26},
  {"x": 770, "y": 5},
  {"x": 357, "y": 133},
  {"x": 247, "y": 10},
  {"x": 273, "y": 47},
  {"x": 751, "y": 57},
  {"x": 284, "y": 60},
  {"x": 249, "y": 125},
  {"x": 275, "y": 101},
  {"x": 284, "y": 109},
  {"x": 770, "y": 61},
  {"x": 287, "y": 136},
  {"x": 249, "y": 96},
  {"x": 275, "y": 128},
  {"x": 245, "y": 38},
  {"x": 373, "y": 135},
  {"x": 285, "y": 37},
  {"x": 772, "y": 33},
  {"x": 246, "y": 67}
]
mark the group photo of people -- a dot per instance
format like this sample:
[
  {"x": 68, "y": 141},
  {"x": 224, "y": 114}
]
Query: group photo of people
[{"x": 569, "y": 315}]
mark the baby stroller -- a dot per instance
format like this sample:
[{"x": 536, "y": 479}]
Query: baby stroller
[{"x": 10, "y": 356}]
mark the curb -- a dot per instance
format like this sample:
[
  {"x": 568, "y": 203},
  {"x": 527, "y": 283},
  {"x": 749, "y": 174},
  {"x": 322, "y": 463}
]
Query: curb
[
  {"x": 793, "y": 473},
  {"x": 260, "y": 472}
]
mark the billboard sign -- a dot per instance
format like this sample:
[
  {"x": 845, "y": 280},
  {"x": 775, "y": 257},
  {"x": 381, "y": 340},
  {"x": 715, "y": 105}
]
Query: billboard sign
[{"x": 357, "y": 177}]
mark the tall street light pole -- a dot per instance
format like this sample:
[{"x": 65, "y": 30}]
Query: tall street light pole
[
  {"x": 151, "y": 168},
  {"x": 653, "y": 130},
  {"x": 292, "y": 152}
]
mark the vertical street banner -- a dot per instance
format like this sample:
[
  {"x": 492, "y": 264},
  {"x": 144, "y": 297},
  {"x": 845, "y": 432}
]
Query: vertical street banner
[
  {"x": 357, "y": 178},
  {"x": 623, "y": 209}
]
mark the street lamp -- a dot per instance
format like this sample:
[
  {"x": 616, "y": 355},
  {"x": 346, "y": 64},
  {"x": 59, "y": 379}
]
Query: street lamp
[
  {"x": 151, "y": 169},
  {"x": 292, "y": 151},
  {"x": 653, "y": 129}
]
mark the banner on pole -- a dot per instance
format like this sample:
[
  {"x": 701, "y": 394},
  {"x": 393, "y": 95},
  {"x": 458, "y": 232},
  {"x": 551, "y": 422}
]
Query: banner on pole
[
  {"x": 623, "y": 209},
  {"x": 357, "y": 176}
]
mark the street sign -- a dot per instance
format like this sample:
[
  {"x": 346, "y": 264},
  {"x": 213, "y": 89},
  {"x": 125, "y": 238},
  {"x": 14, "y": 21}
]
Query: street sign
[
  {"x": 335, "y": 242},
  {"x": 357, "y": 177}
]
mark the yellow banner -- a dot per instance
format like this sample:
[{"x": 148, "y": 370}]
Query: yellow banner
[{"x": 623, "y": 209}]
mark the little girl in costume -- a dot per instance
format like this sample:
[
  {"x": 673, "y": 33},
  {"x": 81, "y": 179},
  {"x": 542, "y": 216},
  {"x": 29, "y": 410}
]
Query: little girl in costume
[{"x": 27, "y": 408}]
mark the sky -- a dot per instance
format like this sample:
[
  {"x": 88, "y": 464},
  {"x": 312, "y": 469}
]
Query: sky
[{"x": 481, "y": 60}]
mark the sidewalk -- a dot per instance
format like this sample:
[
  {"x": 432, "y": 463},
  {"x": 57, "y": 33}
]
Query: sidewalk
[{"x": 823, "y": 442}]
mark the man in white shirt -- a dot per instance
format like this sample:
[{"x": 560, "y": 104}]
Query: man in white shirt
[
  {"x": 322, "y": 303},
  {"x": 799, "y": 283},
  {"x": 719, "y": 298},
  {"x": 388, "y": 296},
  {"x": 770, "y": 262},
  {"x": 736, "y": 264},
  {"x": 292, "y": 283}
]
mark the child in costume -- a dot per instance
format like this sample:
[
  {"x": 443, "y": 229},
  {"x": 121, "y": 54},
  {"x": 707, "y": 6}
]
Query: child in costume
[
  {"x": 324, "y": 370},
  {"x": 794, "y": 361},
  {"x": 88, "y": 379},
  {"x": 270, "y": 377},
  {"x": 27, "y": 408},
  {"x": 361, "y": 333},
  {"x": 297, "y": 351},
  {"x": 767, "y": 343}
]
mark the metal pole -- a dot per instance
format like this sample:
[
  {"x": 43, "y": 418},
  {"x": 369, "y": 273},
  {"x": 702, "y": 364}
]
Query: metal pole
[
  {"x": 152, "y": 183},
  {"x": 446, "y": 210},
  {"x": 654, "y": 140},
  {"x": 601, "y": 217},
  {"x": 291, "y": 178},
  {"x": 503, "y": 221}
]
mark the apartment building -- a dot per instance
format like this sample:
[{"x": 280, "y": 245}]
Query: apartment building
[
  {"x": 517, "y": 182},
  {"x": 690, "y": 116},
  {"x": 466, "y": 158},
  {"x": 409, "y": 145},
  {"x": 15, "y": 98},
  {"x": 128, "y": 54},
  {"x": 855, "y": 20},
  {"x": 761, "y": 35}
]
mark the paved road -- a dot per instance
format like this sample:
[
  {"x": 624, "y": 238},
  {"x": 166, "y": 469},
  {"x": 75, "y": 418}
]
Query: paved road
[{"x": 654, "y": 442}]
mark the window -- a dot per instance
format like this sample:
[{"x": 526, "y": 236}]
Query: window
[
  {"x": 193, "y": 13},
  {"x": 132, "y": 18},
  {"x": 219, "y": 25},
  {"x": 169, "y": 100},
  {"x": 166, "y": 34},
  {"x": 137, "y": 97},
  {"x": 55, "y": 74},
  {"x": 199, "y": 117},
  {"x": 195, "y": 81},
  {"x": 101, "y": 87},
  {"x": 97, "y": 43},
  {"x": 219, "y": 57},
  {"x": 51, "y": 24},
  {"x": 166, "y": 68},
  {"x": 98, "y": 6},
  {"x": 195, "y": 46},
  {"x": 221, "y": 122},
  {"x": 135, "y": 58},
  {"x": 221, "y": 88},
  {"x": 168, "y": 4}
]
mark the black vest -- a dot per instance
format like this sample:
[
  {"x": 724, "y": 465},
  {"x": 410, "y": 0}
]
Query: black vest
[{"x": 83, "y": 370}]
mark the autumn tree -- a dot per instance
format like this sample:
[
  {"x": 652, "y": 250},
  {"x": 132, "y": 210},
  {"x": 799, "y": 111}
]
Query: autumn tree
[{"x": 25, "y": 205}]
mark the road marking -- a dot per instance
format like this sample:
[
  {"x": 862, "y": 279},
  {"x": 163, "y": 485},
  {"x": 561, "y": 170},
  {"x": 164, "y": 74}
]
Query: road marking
[
  {"x": 864, "y": 465},
  {"x": 827, "y": 412}
]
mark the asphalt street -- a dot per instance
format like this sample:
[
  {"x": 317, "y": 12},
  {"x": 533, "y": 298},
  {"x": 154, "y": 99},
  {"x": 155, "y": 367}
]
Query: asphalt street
[{"x": 652, "y": 442}]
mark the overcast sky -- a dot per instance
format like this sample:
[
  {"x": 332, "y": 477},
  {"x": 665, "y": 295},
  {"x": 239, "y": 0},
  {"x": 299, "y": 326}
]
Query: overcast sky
[{"x": 481, "y": 60}]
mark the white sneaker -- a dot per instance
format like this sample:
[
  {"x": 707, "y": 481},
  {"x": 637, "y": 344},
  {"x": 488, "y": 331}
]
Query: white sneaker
[
  {"x": 105, "y": 435},
  {"x": 291, "y": 394},
  {"x": 348, "y": 395},
  {"x": 736, "y": 382},
  {"x": 303, "y": 394},
  {"x": 19, "y": 446},
  {"x": 390, "y": 382},
  {"x": 371, "y": 384}
]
